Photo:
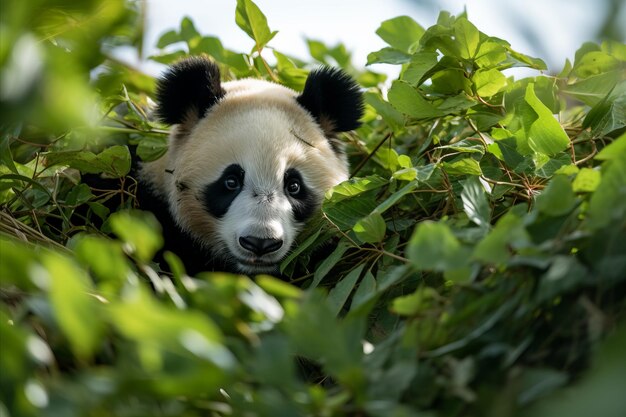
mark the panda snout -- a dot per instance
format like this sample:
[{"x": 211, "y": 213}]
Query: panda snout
[{"x": 260, "y": 246}]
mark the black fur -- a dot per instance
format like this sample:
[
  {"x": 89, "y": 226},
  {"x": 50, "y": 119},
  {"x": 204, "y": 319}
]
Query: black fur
[
  {"x": 217, "y": 197},
  {"x": 304, "y": 203},
  {"x": 333, "y": 98},
  {"x": 188, "y": 89}
]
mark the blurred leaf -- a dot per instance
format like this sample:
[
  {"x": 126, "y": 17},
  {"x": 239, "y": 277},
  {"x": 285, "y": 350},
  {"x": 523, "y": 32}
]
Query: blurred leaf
[
  {"x": 434, "y": 246},
  {"x": 507, "y": 235},
  {"x": 586, "y": 181},
  {"x": 557, "y": 198},
  {"x": 139, "y": 230},
  {"x": 607, "y": 203},
  {"x": 73, "y": 301}
]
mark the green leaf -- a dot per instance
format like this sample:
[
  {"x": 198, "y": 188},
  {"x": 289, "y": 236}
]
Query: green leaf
[
  {"x": 490, "y": 54},
  {"x": 475, "y": 203},
  {"x": 421, "y": 63},
  {"x": 104, "y": 257},
  {"x": 586, "y": 181},
  {"x": 114, "y": 161},
  {"x": 168, "y": 38},
  {"x": 467, "y": 36},
  {"x": 433, "y": 246},
  {"x": 324, "y": 268},
  {"x": 595, "y": 63},
  {"x": 188, "y": 31},
  {"x": 340, "y": 293},
  {"x": 465, "y": 166},
  {"x": 593, "y": 89},
  {"x": 139, "y": 230},
  {"x": 608, "y": 202},
  {"x": 489, "y": 82},
  {"x": 388, "y": 56},
  {"x": 151, "y": 148},
  {"x": 409, "y": 101},
  {"x": 250, "y": 18},
  {"x": 508, "y": 233},
  {"x": 410, "y": 305},
  {"x": 142, "y": 319},
  {"x": 75, "y": 307},
  {"x": 400, "y": 33},
  {"x": 544, "y": 133},
  {"x": 370, "y": 229},
  {"x": 557, "y": 198}
]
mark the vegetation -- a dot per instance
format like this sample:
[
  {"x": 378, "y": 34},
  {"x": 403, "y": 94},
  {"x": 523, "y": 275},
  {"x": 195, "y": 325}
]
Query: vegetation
[{"x": 480, "y": 266}]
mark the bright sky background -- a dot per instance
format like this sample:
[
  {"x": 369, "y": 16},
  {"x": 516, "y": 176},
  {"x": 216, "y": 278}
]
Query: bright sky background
[{"x": 559, "y": 27}]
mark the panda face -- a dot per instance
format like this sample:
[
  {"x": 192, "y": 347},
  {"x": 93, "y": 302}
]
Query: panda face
[
  {"x": 249, "y": 161},
  {"x": 252, "y": 176}
]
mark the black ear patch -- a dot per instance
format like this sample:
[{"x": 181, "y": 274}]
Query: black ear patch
[
  {"x": 187, "y": 90},
  {"x": 333, "y": 98}
]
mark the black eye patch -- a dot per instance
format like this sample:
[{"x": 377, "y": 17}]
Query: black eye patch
[
  {"x": 303, "y": 201},
  {"x": 219, "y": 195}
]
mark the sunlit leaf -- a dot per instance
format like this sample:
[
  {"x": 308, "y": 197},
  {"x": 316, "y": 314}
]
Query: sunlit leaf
[{"x": 400, "y": 32}]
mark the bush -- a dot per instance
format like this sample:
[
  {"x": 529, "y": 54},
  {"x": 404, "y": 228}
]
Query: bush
[{"x": 480, "y": 268}]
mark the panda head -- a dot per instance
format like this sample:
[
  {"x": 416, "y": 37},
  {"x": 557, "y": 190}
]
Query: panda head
[{"x": 249, "y": 161}]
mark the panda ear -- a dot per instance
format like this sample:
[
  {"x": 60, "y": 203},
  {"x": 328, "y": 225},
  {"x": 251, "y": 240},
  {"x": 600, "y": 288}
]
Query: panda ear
[
  {"x": 334, "y": 99},
  {"x": 187, "y": 90}
]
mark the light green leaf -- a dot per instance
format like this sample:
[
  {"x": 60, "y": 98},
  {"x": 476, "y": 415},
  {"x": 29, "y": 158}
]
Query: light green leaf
[
  {"x": 465, "y": 166},
  {"x": 544, "y": 133},
  {"x": 400, "y": 32},
  {"x": 586, "y": 181},
  {"x": 409, "y": 305},
  {"x": 409, "y": 101},
  {"x": 75, "y": 307},
  {"x": 250, "y": 18},
  {"x": 467, "y": 36},
  {"x": 490, "y": 54},
  {"x": 489, "y": 82},
  {"x": 433, "y": 246}
]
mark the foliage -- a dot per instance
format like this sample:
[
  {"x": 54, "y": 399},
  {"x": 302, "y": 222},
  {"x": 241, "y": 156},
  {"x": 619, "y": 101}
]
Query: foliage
[{"x": 480, "y": 265}]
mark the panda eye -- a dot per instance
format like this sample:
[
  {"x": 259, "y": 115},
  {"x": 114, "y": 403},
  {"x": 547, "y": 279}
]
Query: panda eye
[
  {"x": 293, "y": 187},
  {"x": 232, "y": 183}
]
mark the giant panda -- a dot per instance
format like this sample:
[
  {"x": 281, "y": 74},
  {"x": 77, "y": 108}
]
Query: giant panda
[{"x": 248, "y": 163}]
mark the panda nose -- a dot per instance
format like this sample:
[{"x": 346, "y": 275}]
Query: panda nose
[{"x": 260, "y": 246}]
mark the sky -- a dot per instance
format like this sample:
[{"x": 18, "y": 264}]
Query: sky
[{"x": 559, "y": 27}]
